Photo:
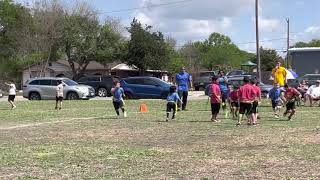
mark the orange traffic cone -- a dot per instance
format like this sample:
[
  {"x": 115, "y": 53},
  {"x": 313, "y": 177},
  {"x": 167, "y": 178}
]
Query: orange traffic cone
[{"x": 143, "y": 108}]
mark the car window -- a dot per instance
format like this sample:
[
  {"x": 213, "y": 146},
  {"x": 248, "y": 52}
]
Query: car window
[
  {"x": 107, "y": 78},
  {"x": 313, "y": 78},
  {"x": 34, "y": 82},
  {"x": 54, "y": 82},
  {"x": 45, "y": 82},
  {"x": 135, "y": 81},
  {"x": 69, "y": 82},
  {"x": 83, "y": 79},
  {"x": 95, "y": 79},
  {"x": 150, "y": 82},
  {"x": 207, "y": 74}
]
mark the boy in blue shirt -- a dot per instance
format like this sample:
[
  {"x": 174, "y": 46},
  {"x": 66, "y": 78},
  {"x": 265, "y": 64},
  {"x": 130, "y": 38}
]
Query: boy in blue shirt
[
  {"x": 172, "y": 99},
  {"x": 275, "y": 96},
  {"x": 223, "y": 84},
  {"x": 118, "y": 102}
]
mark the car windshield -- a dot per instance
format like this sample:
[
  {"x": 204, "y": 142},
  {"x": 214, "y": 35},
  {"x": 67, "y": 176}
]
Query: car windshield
[
  {"x": 69, "y": 82},
  {"x": 207, "y": 74},
  {"x": 161, "y": 82}
]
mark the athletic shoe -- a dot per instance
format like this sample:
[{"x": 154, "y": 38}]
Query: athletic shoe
[
  {"x": 276, "y": 116},
  {"x": 238, "y": 124},
  {"x": 125, "y": 114},
  {"x": 167, "y": 119},
  {"x": 14, "y": 107},
  {"x": 56, "y": 108}
]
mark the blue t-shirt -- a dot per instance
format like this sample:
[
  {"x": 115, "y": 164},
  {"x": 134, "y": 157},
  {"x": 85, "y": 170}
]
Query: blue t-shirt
[
  {"x": 174, "y": 97},
  {"x": 183, "y": 80},
  {"x": 275, "y": 94},
  {"x": 223, "y": 84},
  {"x": 117, "y": 94}
]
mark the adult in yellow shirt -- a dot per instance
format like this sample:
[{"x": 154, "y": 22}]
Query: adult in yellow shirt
[{"x": 279, "y": 75}]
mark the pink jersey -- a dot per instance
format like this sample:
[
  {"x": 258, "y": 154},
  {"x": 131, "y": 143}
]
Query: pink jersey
[
  {"x": 215, "y": 94},
  {"x": 234, "y": 97},
  {"x": 257, "y": 92},
  {"x": 247, "y": 93}
]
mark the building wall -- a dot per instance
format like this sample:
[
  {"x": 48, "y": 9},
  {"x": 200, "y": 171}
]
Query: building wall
[{"x": 306, "y": 62}]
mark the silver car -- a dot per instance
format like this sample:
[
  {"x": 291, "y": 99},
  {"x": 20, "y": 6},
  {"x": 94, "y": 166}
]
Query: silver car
[{"x": 45, "y": 88}]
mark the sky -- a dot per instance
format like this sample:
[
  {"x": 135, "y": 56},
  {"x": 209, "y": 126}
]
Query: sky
[{"x": 192, "y": 20}]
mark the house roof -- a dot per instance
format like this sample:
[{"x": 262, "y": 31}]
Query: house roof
[
  {"x": 304, "y": 49},
  {"x": 93, "y": 65},
  {"x": 124, "y": 67}
]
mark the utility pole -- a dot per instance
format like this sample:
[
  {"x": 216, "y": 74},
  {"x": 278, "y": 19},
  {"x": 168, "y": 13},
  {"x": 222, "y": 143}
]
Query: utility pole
[
  {"x": 288, "y": 40},
  {"x": 257, "y": 40}
]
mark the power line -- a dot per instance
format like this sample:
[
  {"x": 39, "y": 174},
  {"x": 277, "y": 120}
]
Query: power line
[{"x": 145, "y": 7}]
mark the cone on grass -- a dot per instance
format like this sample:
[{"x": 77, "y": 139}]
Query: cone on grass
[{"x": 143, "y": 108}]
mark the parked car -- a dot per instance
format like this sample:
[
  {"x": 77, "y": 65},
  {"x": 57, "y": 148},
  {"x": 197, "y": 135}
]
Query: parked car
[
  {"x": 101, "y": 84},
  {"x": 45, "y": 88},
  {"x": 204, "y": 78},
  {"x": 310, "y": 78},
  {"x": 238, "y": 81},
  {"x": 236, "y": 73},
  {"x": 145, "y": 87}
]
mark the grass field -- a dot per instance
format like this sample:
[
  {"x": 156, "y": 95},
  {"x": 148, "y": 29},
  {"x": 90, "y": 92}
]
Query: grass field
[{"x": 86, "y": 141}]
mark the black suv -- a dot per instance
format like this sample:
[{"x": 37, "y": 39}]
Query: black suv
[
  {"x": 101, "y": 84},
  {"x": 203, "y": 79}
]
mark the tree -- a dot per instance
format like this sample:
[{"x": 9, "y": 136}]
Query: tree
[
  {"x": 269, "y": 58},
  {"x": 146, "y": 49},
  {"x": 219, "y": 51},
  {"x": 86, "y": 40},
  {"x": 312, "y": 43}
]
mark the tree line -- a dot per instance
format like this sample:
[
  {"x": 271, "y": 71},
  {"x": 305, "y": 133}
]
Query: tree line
[{"x": 48, "y": 31}]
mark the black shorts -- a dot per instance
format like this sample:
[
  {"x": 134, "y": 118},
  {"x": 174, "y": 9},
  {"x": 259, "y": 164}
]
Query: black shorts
[
  {"x": 59, "y": 98},
  {"x": 245, "y": 108},
  {"x": 118, "y": 104},
  {"x": 291, "y": 105},
  {"x": 224, "y": 96},
  {"x": 254, "y": 108},
  {"x": 11, "y": 98},
  {"x": 171, "y": 106},
  {"x": 235, "y": 104},
  {"x": 276, "y": 104},
  {"x": 215, "y": 108}
]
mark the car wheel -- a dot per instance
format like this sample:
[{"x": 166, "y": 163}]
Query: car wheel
[
  {"x": 34, "y": 96},
  {"x": 72, "y": 96},
  {"x": 102, "y": 92}
]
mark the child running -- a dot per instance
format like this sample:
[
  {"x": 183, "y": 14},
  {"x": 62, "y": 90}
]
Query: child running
[
  {"x": 290, "y": 95},
  {"x": 12, "y": 94},
  {"x": 246, "y": 98},
  {"x": 215, "y": 99},
  {"x": 275, "y": 96},
  {"x": 257, "y": 94},
  {"x": 234, "y": 102},
  {"x": 117, "y": 100},
  {"x": 59, "y": 94},
  {"x": 172, "y": 101}
]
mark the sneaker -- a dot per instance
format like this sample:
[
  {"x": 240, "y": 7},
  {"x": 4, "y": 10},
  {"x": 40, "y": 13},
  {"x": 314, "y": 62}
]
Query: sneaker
[
  {"x": 125, "y": 114},
  {"x": 238, "y": 124},
  {"x": 14, "y": 107},
  {"x": 167, "y": 119},
  {"x": 289, "y": 118},
  {"x": 56, "y": 108},
  {"x": 60, "y": 108},
  {"x": 276, "y": 116}
]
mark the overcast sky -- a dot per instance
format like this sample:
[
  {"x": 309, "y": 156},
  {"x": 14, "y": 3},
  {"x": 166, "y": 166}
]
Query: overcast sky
[{"x": 191, "y": 20}]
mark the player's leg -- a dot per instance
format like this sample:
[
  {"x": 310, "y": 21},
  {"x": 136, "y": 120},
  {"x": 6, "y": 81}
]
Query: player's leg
[{"x": 184, "y": 100}]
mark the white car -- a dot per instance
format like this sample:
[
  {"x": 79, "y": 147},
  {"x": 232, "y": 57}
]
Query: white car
[{"x": 45, "y": 88}]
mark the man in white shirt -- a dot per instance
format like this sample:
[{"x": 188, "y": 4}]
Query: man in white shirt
[
  {"x": 313, "y": 92},
  {"x": 59, "y": 94},
  {"x": 12, "y": 94}
]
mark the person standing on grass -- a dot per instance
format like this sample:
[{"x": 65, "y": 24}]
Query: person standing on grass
[
  {"x": 246, "y": 98},
  {"x": 223, "y": 84},
  {"x": 234, "y": 102},
  {"x": 313, "y": 93},
  {"x": 59, "y": 95},
  {"x": 117, "y": 100},
  {"x": 256, "y": 102},
  {"x": 183, "y": 80},
  {"x": 290, "y": 95},
  {"x": 275, "y": 96},
  {"x": 172, "y": 100},
  {"x": 279, "y": 75},
  {"x": 12, "y": 94},
  {"x": 215, "y": 99}
]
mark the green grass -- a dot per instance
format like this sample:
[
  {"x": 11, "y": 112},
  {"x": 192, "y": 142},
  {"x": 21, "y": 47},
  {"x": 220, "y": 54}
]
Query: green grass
[{"x": 86, "y": 141}]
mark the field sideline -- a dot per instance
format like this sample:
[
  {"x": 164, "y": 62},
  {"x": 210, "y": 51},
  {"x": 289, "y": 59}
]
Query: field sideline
[{"x": 86, "y": 141}]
